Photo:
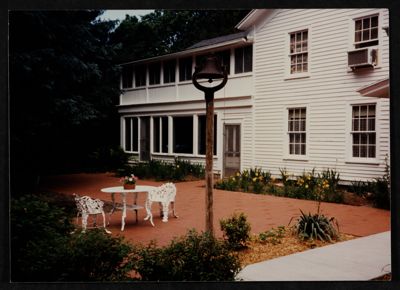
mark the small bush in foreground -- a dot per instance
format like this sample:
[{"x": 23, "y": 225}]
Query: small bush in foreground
[
  {"x": 315, "y": 227},
  {"x": 236, "y": 231},
  {"x": 193, "y": 257}
]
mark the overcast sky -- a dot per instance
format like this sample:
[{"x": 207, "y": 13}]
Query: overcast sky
[{"x": 120, "y": 14}]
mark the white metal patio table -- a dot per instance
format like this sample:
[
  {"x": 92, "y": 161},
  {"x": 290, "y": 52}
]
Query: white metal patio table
[{"x": 124, "y": 207}]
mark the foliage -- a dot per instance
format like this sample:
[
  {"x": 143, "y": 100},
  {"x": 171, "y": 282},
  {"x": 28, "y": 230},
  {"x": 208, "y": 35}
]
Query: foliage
[
  {"x": 64, "y": 87},
  {"x": 193, "y": 257},
  {"x": 380, "y": 193},
  {"x": 360, "y": 188},
  {"x": 129, "y": 179},
  {"x": 253, "y": 180},
  {"x": 43, "y": 249},
  {"x": 167, "y": 31},
  {"x": 316, "y": 226},
  {"x": 272, "y": 236},
  {"x": 161, "y": 170},
  {"x": 107, "y": 158},
  {"x": 236, "y": 231}
]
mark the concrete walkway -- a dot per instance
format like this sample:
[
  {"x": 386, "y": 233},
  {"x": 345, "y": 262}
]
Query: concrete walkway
[{"x": 358, "y": 260}]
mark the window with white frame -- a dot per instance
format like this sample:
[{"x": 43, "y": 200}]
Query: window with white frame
[
  {"x": 244, "y": 59},
  {"x": 297, "y": 131},
  {"x": 366, "y": 31},
  {"x": 363, "y": 131},
  {"x": 154, "y": 73},
  {"x": 169, "y": 71},
  {"x": 131, "y": 134},
  {"x": 183, "y": 134},
  {"x": 140, "y": 76},
  {"x": 127, "y": 77},
  {"x": 202, "y": 135},
  {"x": 298, "y": 52},
  {"x": 185, "y": 69},
  {"x": 160, "y": 134}
]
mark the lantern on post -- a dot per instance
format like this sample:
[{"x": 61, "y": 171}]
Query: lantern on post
[{"x": 211, "y": 70}]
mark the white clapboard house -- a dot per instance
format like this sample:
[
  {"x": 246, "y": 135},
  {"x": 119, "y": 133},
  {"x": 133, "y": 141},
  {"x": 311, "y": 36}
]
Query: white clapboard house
[{"x": 307, "y": 88}]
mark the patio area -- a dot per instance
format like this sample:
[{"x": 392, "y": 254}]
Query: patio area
[{"x": 263, "y": 211}]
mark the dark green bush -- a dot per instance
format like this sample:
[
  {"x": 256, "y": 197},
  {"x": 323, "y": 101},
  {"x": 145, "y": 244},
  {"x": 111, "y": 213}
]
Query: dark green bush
[
  {"x": 236, "y": 231},
  {"x": 43, "y": 250},
  {"x": 193, "y": 257},
  {"x": 380, "y": 193},
  {"x": 107, "y": 159},
  {"x": 316, "y": 226}
]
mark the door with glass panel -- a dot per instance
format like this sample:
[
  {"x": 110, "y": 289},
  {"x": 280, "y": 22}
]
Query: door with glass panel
[{"x": 231, "y": 149}]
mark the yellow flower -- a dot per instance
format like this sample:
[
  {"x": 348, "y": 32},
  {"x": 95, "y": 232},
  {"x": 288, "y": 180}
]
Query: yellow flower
[
  {"x": 237, "y": 174},
  {"x": 256, "y": 173},
  {"x": 177, "y": 166},
  {"x": 254, "y": 179},
  {"x": 308, "y": 177},
  {"x": 306, "y": 186}
]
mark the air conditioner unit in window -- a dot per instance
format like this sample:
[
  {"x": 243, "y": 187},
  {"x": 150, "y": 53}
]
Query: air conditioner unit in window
[{"x": 364, "y": 57}]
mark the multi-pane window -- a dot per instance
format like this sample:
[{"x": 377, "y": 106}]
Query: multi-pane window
[
  {"x": 154, "y": 73},
  {"x": 202, "y": 135},
  {"x": 297, "y": 131},
  {"x": 127, "y": 77},
  {"x": 169, "y": 71},
  {"x": 140, "y": 76},
  {"x": 244, "y": 59},
  {"x": 185, "y": 69},
  {"x": 299, "y": 52},
  {"x": 363, "y": 131},
  {"x": 160, "y": 134},
  {"x": 131, "y": 134},
  {"x": 366, "y": 31},
  {"x": 183, "y": 134}
]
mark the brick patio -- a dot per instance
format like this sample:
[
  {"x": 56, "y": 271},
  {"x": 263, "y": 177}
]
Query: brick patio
[{"x": 263, "y": 211}]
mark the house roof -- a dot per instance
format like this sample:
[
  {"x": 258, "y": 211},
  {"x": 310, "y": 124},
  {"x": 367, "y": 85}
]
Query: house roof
[
  {"x": 252, "y": 17},
  {"x": 379, "y": 89},
  {"x": 218, "y": 40},
  {"x": 202, "y": 46}
]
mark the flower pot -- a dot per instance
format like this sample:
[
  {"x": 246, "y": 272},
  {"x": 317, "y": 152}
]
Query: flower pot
[{"x": 129, "y": 186}]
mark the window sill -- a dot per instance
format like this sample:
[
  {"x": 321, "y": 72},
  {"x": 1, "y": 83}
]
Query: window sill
[
  {"x": 297, "y": 76},
  {"x": 364, "y": 161},
  {"x": 296, "y": 158}
]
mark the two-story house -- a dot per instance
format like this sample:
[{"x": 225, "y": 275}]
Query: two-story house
[{"x": 300, "y": 95}]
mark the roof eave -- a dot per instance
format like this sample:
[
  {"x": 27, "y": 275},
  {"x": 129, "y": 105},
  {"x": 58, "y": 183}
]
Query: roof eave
[
  {"x": 251, "y": 18},
  {"x": 191, "y": 51}
]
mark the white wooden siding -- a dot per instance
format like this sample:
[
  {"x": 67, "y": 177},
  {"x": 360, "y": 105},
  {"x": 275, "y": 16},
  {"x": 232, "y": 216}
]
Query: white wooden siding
[{"x": 327, "y": 92}]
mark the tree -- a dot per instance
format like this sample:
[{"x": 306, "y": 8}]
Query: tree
[
  {"x": 63, "y": 90},
  {"x": 168, "y": 31}
]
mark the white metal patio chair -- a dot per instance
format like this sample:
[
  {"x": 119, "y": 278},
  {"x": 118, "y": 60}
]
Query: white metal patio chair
[
  {"x": 87, "y": 206},
  {"x": 165, "y": 195}
]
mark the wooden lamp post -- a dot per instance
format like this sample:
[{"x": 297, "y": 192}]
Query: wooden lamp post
[{"x": 210, "y": 70}]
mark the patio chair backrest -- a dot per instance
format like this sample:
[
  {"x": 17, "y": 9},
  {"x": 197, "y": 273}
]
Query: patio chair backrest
[
  {"x": 87, "y": 205},
  {"x": 163, "y": 193}
]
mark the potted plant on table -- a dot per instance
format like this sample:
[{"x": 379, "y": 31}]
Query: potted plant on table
[{"x": 129, "y": 182}]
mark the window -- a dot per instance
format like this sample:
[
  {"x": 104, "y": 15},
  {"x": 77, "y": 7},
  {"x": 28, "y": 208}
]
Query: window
[
  {"x": 160, "y": 134},
  {"x": 140, "y": 76},
  {"x": 169, "y": 71},
  {"x": 183, "y": 134},
  {"x": 299, "y": 52},
  {"x": 154, "y": 73},
  {"x": 127, "y": 77},
  {"x": 366, "y": 31},
  {"x": 243, "y": 59},
  {"x": 297, "y": 131},
  {"x": 185, "y": 69},
  {"x": 131, "y": 134},
  {"x": 202, "y": 135},
  {"x": 363, "y": 131}
]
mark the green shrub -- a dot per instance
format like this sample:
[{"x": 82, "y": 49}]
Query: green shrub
[
  {"x": 43, "y": 249},
  {"x": 272, "y": 236},
  {"x": 236, "y": 231},
  {"x": 360, "y": 188},
  {"x": 193, "y": 257},
  {"x": 107, "y": 158},
  {"x": 316, "y": 226},
  {"x": 380, "y": 193}
]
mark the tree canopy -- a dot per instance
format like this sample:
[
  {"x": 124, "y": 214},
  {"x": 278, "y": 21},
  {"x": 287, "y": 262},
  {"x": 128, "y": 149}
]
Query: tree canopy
[{"x": 64, "y": 78}]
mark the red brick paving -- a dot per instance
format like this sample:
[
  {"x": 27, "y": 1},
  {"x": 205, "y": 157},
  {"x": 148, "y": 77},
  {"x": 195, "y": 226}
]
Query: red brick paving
[{"x": 263, "y": 211}]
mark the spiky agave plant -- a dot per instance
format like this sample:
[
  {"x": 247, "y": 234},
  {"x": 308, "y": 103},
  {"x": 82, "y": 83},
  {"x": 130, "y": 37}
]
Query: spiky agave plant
[{"x": 316, "y": 226}]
